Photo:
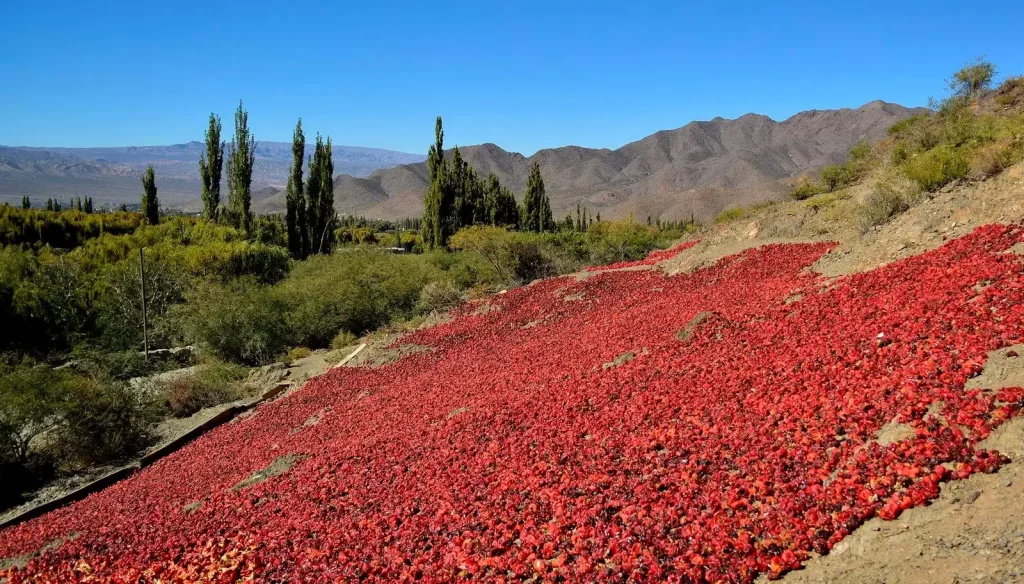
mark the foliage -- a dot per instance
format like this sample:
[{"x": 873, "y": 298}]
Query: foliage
[
  {"x": 935, "y": 168},
  {"x": 805, "y": 190},
  {"x": 150, "y": 203},
  {"x": 438, "y": 296},
  {"x": 211, "y": 164},
  {"x": 973, "y": 78},
  {"x": 295, "y": 201},
  {"x": 536, "y": 215},
  {"x": 103, "y": 423},
  {"x": 731, "y": 214},
  {"x": 241, "y": 159},
  {"x": 320, "y": 215},
  {"x": 617, "y": 241},
  {"x": 343, "y": 339},
  {"x": 242, "y": 322},
  {"x": 890, "y": 197},
  {"x": 61, "y": 229},
  {"x": 204, "y": 386}
]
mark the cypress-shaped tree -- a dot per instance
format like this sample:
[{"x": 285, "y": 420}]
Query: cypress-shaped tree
[
  {"x": 211, "y": 163},
  {"x": 150, "y": 204},
  {"x": 295, "y": 214},
  {"x": 26, "y": 203},
  {"x": 432, "y": 200},
  {"x": 320, "y": 213},
  {"x": 89, "y": 208},
  {"x": 536, "y": 208},
  {"x": 241, "y": 160}
]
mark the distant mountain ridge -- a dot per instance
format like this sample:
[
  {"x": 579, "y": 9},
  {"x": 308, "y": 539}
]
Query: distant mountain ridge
[
  {"x": 111, "y": 175},
  {"x": 699, "y": 169}
]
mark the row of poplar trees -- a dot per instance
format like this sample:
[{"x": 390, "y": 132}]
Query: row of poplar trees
[
  {"x": 310, "y": 205},
  {"x": 458, "y": 197},
  {"x": 241, "y": 158}
]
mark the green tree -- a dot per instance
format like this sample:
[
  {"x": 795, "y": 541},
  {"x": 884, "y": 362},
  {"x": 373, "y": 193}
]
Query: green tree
[
  {"x": 536, "y": 207},
  {"x": 500, "y": 203},
  {"x": 295, "y": 202},
  {"x": 241, "y": 160},
  {"x": 26, "y": 203},
  {"x": 88, "y": 205},
  {"x": 150, "y": 204},
  {"x": 435, "y": 203},
  {"x": 211, "y": 163},
  {"x": 835, "y": 177},
  {"x": 320, "y": 214},
  {"x": 973, "y": 78}
]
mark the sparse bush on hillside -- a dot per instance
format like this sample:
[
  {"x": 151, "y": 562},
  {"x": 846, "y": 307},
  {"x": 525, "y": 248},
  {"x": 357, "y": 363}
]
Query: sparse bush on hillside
[
  {"x": 1011, "y": 92},
  {"x": 973, "y": 78},
  {"x": 438, "y": 296},
  {"x": 209, "y": 385},
  {"x": 890, "y": 197},
  {"x": 937, "y": 167},
  {"x": 993, "y": 158},
  {"x": 805, "y": 190},
  {"x": 731, "y": 214},
  {"x": 343, "y": 339}
]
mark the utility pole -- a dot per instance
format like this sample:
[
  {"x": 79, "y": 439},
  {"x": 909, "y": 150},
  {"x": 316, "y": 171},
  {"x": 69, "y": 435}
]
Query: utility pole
[{"x": 142, "y": 275}]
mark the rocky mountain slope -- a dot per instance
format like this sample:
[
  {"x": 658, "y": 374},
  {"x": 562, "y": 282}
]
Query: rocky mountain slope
[{"x": 700, "y": 168}]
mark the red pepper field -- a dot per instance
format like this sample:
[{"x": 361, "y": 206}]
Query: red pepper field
[{"x": 528, "y": 446}]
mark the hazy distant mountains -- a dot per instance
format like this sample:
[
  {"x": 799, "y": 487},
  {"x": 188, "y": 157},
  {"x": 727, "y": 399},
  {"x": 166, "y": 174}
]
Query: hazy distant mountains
[
  {"x": 111, "y": 175},
  {"x": 700, "y": 168}
]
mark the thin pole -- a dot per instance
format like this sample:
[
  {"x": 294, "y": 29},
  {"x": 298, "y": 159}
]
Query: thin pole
[{"x": 142, "y": 273}]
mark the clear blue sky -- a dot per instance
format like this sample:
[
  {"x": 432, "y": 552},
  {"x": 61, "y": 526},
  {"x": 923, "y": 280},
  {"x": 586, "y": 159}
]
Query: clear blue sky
[{"x": 523, "y": 74}]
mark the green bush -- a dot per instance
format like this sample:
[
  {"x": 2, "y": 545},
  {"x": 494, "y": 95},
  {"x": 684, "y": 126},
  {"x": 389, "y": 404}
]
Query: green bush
[
  {"x": 513, "y": 258},
  {"x": 617, "y": 241},
  {"x": 805, "y": 190},
  {"x": 937, "y": 167},
  {"x": 104, "y": 423},
  {"x": 242, "y": 323}
]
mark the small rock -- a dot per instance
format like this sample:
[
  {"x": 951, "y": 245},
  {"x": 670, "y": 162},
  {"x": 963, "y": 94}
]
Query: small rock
[{"x": 1008, "y": 483}]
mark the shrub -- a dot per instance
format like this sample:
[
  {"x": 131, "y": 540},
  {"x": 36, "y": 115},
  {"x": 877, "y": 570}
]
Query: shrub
[
  {"x": 835, "y": 177},
  {"x": 438, "y": 296},
  {"x": 514, "y": 258},
  {"x": 205, "y": 386},
  {"x": 805, "y": 190},
  {"x": 1011, "y": 92},
  {"x": 935, "y": 168},
  {"x": 240, "y": 323},
  {"x": 992, "y": 159},
  {"x": 104, "y": 423},
  {"x": 343, "y": 339},
  {"x": 889, "y": 198},
  {"x": 731, "y": 214},
  {"x": 619, "y": 241}
]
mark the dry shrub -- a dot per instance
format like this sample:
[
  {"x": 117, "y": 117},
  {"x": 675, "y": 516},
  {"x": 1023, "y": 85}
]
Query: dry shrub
[
  {"x": 207, "y": 386},
  {"x": 991, "y": 159},
  {"x": 343, "y": 339},
  {"x": 439, "y": 296},
  {"x": 892, "y": 195}
]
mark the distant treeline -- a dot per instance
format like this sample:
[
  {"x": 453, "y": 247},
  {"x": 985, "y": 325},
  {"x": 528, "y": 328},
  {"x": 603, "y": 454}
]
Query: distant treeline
[{"x": 61, "y": 229}]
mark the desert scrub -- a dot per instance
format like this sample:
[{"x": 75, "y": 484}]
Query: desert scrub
[
  {"x": 731, "y": 214},
  {"x": 805, "y": 190},
  {"x": 207, "y": 385},
  {"x": 343, "y": 339},
  {"x": 937, "y": 167},
  {"x": 891, "y": 196},
  {"x": 438, "y": 296}
]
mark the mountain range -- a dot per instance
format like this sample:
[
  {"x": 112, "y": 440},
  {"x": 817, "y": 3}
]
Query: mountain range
[
  {"x": 111, "y": 175},
  {"x": 696, "y": 170}
]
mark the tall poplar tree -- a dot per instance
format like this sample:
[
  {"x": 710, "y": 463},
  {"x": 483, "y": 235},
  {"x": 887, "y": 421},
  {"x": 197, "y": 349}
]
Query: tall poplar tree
[
  {"x": 432, "y": 216},
  {"x": 320, "y": 214},
  {"x": 295, "y": 214},
  {"x": 150, "y": 204},
  {"x": 211, "y": 163},
  {"x": 241, "y": 160},
  {"x": 536, "y": 207}
]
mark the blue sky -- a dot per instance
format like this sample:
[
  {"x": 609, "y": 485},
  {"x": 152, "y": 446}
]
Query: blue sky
[{"x": 525, "y": 75}]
